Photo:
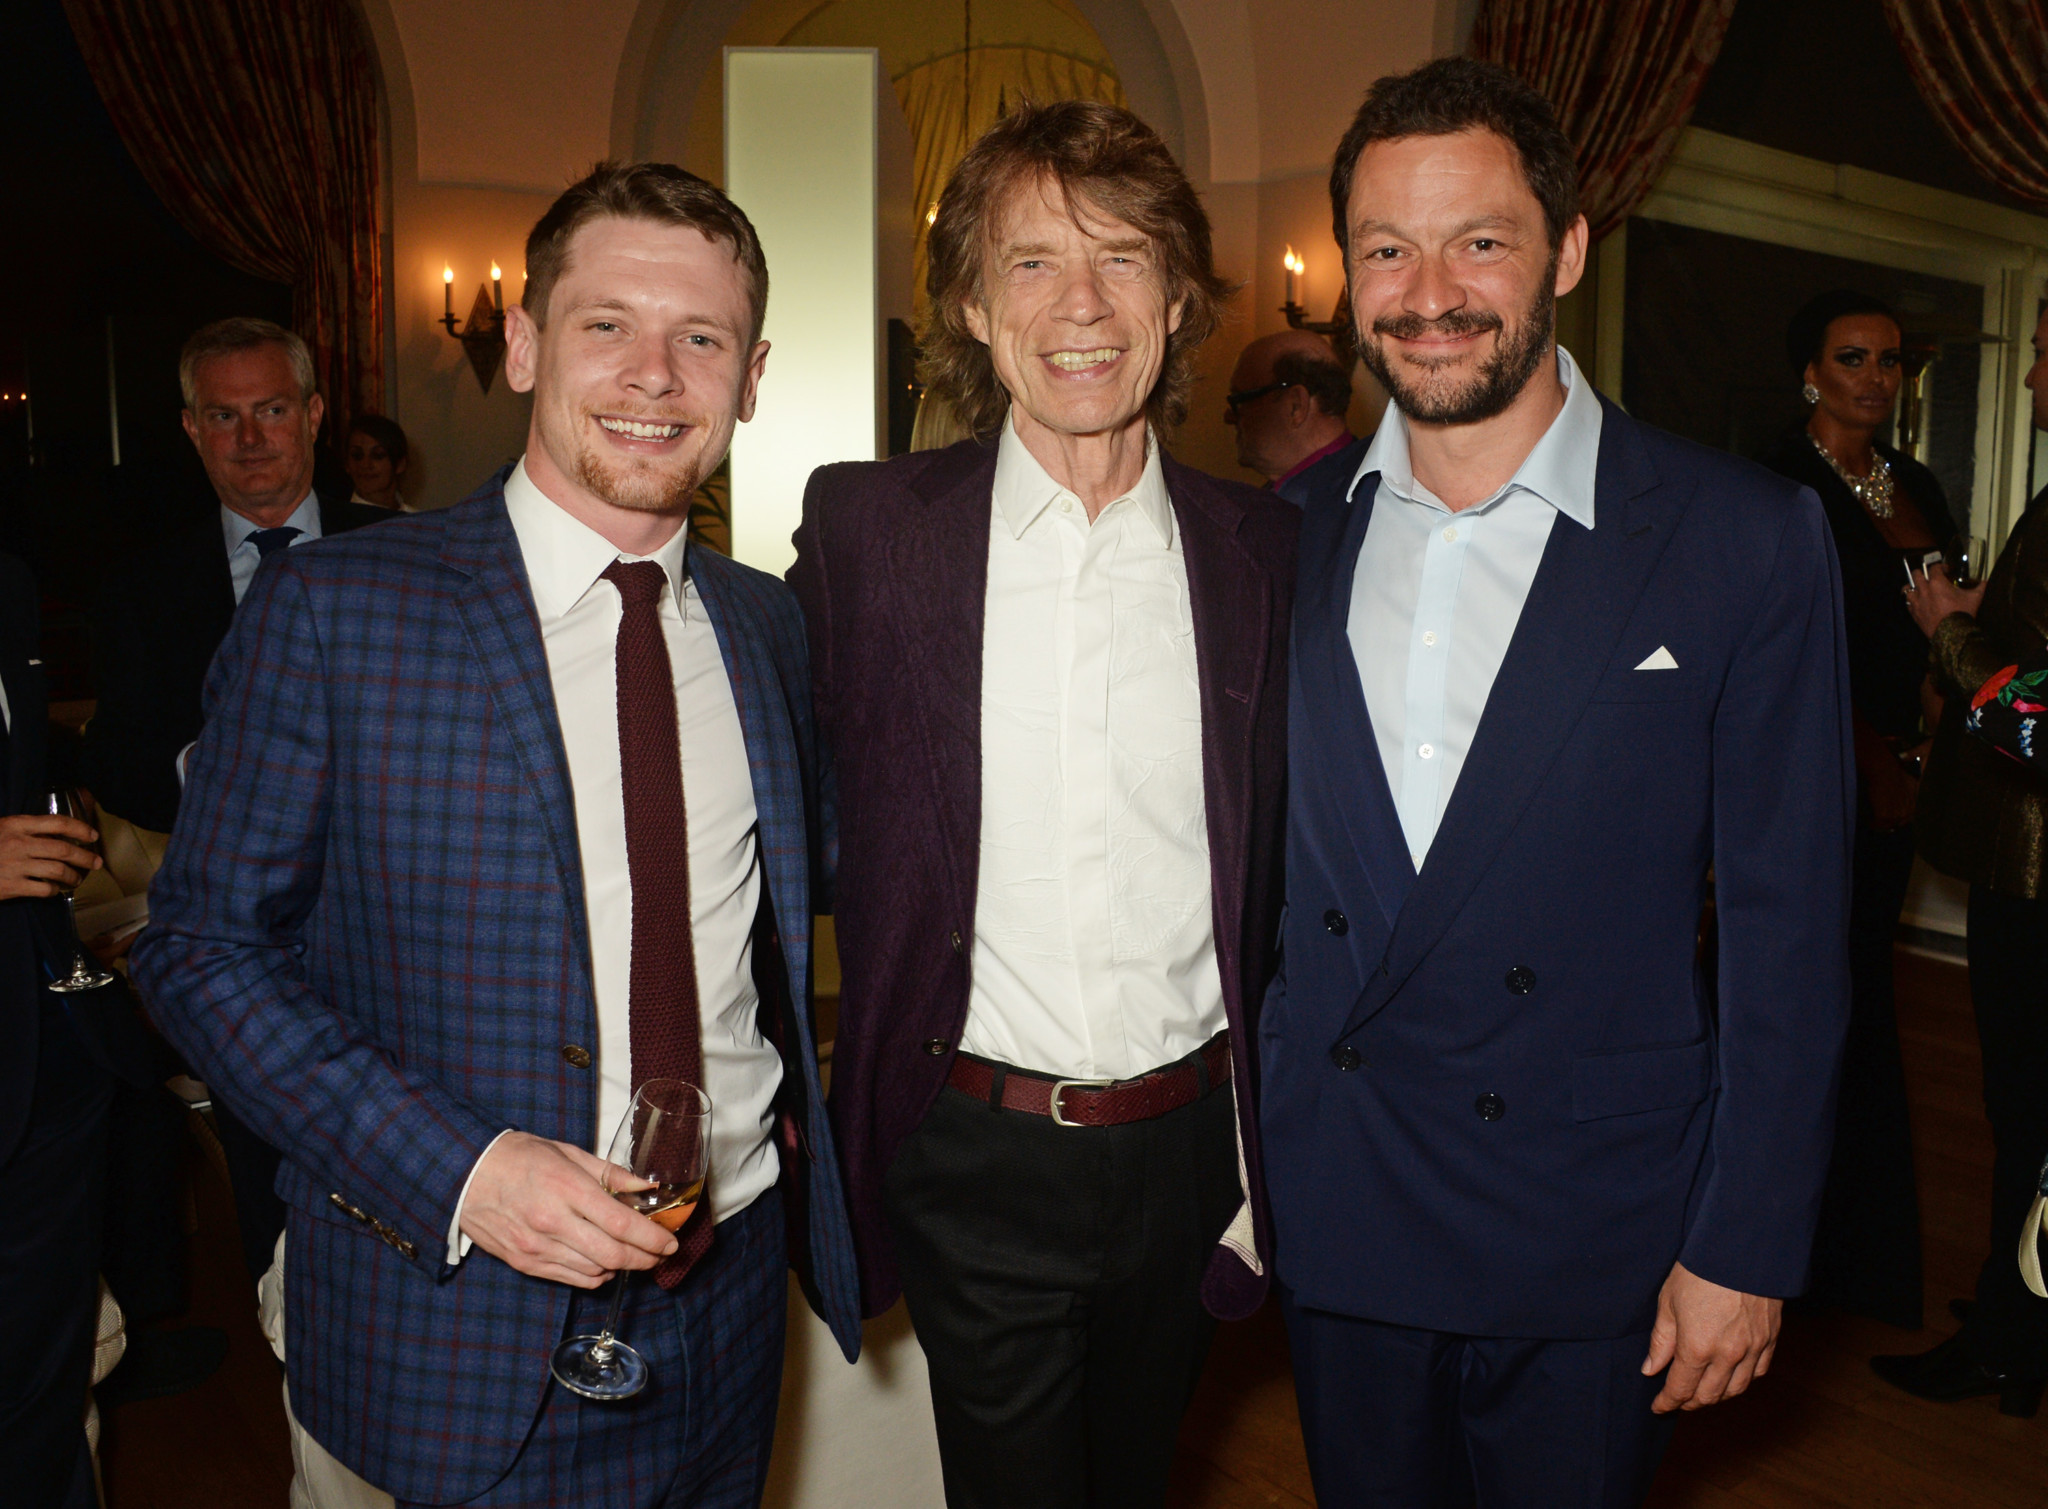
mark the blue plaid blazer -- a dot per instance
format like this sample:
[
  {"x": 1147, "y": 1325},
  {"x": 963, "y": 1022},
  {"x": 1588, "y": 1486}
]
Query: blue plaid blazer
[{"x": 369, "y": 933}]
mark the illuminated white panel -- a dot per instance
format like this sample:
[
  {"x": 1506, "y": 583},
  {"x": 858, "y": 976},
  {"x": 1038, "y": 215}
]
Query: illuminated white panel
[{"x": 801, "y": 159}]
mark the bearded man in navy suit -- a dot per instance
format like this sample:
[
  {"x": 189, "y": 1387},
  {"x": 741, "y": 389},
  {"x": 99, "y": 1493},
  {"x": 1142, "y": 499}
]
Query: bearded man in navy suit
[{"x": 1533, "y": 1188}]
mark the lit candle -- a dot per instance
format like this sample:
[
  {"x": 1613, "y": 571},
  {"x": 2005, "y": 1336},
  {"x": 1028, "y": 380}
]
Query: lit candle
[
  {"x": 1294, "y": 266},
  {"x": 448, "y": 292},
  {"x": 497, "y": 289}
]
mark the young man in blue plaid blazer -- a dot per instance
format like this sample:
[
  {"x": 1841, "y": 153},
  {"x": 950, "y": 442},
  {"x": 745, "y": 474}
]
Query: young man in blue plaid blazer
[{"x": 396, "y": 920}]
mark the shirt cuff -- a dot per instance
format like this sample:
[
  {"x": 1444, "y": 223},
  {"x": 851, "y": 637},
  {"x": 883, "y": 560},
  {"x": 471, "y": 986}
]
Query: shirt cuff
[
  {"x": 184, "y": 755},
  {"x": 458, "y": 1243}
]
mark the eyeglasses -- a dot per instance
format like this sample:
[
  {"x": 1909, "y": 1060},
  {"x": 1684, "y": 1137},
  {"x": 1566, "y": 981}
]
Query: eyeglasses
[{"x": 1236, "y": 401}]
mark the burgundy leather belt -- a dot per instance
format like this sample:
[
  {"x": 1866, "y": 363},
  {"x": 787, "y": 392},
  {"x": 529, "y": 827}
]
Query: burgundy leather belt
[{"x": 1098, "y": 1102}]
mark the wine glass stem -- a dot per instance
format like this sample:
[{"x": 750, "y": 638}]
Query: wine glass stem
[{"x": 602, "y": 1352}]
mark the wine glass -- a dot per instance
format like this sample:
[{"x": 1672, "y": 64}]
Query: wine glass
[
  {"x": 63, "y": 801},
  {"x": 656, "y": 1166}
]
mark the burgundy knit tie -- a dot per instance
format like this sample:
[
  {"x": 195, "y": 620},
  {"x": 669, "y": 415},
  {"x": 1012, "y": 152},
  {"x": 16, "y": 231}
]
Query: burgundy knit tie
[{"x": 662, "y": 1010}]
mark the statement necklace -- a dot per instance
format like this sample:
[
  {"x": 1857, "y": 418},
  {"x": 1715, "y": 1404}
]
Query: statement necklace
[{"x": 1874, "y": 492}]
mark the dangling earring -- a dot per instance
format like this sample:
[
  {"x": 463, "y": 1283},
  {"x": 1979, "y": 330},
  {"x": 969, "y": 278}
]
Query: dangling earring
[{"x": 1810, "y": 393}]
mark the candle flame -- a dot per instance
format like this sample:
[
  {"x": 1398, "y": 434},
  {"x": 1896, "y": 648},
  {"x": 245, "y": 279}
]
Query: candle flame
[
  {"x": 932, "y": 214},
  {"x": 1293, "y": 263},
  {"x": 447, "y": 275},
  {"x": 495, "y": 274}
]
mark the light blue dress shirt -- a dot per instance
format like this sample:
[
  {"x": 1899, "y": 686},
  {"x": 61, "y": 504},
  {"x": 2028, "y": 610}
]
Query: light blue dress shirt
[
  {"x": 1436, "y": 596},
  {"x": 242, "y": 552}
]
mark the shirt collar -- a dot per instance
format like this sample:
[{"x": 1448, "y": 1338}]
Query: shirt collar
[
  {"x": 1024, "y": 489},
  {"x": 235, "y": 530},
  {"x": 565, "y": 557},
  {"x": 1560, "y": 470}
]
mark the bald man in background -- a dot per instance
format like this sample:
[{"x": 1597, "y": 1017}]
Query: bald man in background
[{"x": 1288, "y": 396}]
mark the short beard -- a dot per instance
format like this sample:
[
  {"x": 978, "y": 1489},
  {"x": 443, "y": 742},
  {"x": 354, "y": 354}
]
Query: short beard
[
  {"x": 636, "y": 489},
  {"x": 1500, "y": 378}
]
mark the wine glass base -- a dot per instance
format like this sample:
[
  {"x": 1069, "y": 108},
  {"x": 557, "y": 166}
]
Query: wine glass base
[
  {"x": 578, "y": 1368},
  {"x": 76, "y": 983}
]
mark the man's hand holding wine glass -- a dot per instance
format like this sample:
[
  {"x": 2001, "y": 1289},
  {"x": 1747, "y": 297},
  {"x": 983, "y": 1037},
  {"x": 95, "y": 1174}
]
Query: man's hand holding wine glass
[
  {"x": 44, "y": 855},
  {"x": 542, "y": 1207}
]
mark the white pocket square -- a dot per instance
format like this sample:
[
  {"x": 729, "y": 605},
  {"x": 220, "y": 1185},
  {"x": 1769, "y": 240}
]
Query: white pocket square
[{"x": 1659, "y": 660}]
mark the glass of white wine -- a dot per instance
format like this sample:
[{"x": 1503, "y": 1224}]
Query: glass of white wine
[
  {"x": 656, "y": 1167},
  {"x": 63, "y": 801}
]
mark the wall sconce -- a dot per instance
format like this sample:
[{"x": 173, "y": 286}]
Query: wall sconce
[
  {"x": 483, "y": 338},
  {"x": 1337, "y": 329}
]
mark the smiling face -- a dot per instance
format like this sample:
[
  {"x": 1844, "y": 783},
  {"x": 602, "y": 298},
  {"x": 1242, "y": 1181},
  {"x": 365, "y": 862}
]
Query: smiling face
[
  {"x": 644, "y": 366},
  {"x": 1454, "y": 282},
  {"x": 371, "y": 468},
  {"x": 254, "y": 431},
  {"x": 1857, "y": 372},
  {"x": 1074, "y": 312}
]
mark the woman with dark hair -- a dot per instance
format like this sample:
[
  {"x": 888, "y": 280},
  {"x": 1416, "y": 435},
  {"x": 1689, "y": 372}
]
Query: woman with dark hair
[
  {"x": 375, "y": 461},
  {"x": 1886, "y": 511}
]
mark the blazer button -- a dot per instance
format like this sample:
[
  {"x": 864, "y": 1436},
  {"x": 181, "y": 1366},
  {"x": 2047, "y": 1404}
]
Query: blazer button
[
  {"x": 575, "y": 1057},
  {"x": 1345, "y": 1058},
  {"x": 936, "y": 1047},
  {"x": 1521, "y": 979},
  {"x": 959, "y": 947},
  {"x": 1490, "y": 1107},
  {"x": 1336, "y": 922}
]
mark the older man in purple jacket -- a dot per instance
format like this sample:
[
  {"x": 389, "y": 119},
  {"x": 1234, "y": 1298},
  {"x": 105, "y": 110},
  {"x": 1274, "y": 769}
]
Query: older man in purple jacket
[{"x": 1051, "y": 664}]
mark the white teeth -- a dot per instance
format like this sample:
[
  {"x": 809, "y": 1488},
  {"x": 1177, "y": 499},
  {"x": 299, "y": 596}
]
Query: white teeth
[
  {"x": 1080, "y": 361},
  {"x": 641, "y": 431}
]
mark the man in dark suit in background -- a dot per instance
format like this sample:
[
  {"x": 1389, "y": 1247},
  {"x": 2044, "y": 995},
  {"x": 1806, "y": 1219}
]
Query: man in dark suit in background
[
  {"x": 53, "y": 1103},
  {"x": 1050, "y": 665},
  {"x": 1287, "y": 401},
  {"x": 1530, "y": 1195},
  {"x": 253, "y": 415}
]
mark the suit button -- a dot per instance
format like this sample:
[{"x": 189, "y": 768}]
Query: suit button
[
  {"x": 936, "y": 1047},
  {"x": 1345, "y": 1058},
  {"x": 1490, "y": 1107},
  {"x": 1336, "y": 922},
  {"x": 1521, "y": 979},
  {"x": 959, "y": 946},
  {"x": 575, "y": 1057},
  {"x": 407, "y": 1249}
]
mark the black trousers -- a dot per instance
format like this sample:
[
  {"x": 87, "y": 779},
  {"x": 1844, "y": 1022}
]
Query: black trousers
[
  {"x": 1866, "y": 1250},
  {"x": 2008, "y": 1331},
  {"x": 252, "y": 1178},
  {"x": 51, "y": 1186},
  {"x": 1053, "y": 1275},
  {"x": 1398, "y": 1418}
]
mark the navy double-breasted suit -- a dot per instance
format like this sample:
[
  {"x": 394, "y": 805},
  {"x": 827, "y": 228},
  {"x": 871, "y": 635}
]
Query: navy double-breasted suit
[
  {"x": 1501, "y": 1097},
  {"x": 370, "y": 931}
]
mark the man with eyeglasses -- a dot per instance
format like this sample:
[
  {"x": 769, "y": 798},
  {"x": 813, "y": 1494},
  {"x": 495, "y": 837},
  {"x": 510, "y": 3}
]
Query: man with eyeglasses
[{"x": 1287, "y": 401}]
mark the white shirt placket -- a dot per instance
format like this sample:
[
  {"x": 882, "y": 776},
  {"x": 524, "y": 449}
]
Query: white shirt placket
[{"x": 1429, "y": 645}]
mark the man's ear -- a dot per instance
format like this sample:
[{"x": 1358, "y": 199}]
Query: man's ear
[
  {"x": 1571, "y": 256},
  {"x": 316, "y": 410},
  {"x": 977, "y": 320},
  {"x": 750, "y": 384},
  {"x": 191, "y": 425},
  {"x": 1174, "y": 311},
  {"x": 522, "y": 348}
]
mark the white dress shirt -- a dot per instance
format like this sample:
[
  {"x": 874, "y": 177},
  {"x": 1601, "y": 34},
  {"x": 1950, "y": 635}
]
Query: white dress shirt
[
  {"x": 1436, "y": 595},
  {"x": 1094, "y": 940},
  {"x": 243, "y": 555},
  {"x": 579, "y": 623}
]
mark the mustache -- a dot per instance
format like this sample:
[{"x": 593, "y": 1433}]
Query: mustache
[{"x": 1412, "y": 327}]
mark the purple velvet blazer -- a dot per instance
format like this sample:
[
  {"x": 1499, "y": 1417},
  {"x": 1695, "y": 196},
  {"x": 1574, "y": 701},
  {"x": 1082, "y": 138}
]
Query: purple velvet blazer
[{"x": 892, "y": 573}]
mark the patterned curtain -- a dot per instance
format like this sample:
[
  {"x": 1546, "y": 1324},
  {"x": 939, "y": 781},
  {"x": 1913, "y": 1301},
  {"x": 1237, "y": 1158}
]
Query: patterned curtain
[
  {"x": 1624, "y": 75},
  {"x": 255, "y": 122},
  {"x": 951, "y": 100},
  {"x": 1982, "y": 68}
]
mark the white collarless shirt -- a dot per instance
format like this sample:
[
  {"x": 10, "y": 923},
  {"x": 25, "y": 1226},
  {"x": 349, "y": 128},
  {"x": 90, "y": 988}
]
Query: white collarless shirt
[
  {"x": 1094, "y": 937},
  {"x": 579, "y": 625},
  {"x": 1436, "y": 596},
  {"x": 244, "y": 557}
]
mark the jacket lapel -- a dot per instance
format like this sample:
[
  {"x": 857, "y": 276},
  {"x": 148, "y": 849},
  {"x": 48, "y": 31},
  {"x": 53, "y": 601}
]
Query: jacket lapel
[
  {"x": 938, "y": 570},
  {"x": 495, "y": 603},
  {"x": 1343, "y": 742},
  {"x": 1585, "y": 590},
  {"x": 1229, "y": 599}
]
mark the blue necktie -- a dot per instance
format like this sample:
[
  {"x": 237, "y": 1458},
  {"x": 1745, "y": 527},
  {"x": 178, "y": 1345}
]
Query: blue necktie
[{"x": 269, "y": 540}]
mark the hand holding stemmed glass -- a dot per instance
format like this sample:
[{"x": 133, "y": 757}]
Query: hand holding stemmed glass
[
  {"x": 66, "y": 802},
  {"x": 657, "y": 1164}
]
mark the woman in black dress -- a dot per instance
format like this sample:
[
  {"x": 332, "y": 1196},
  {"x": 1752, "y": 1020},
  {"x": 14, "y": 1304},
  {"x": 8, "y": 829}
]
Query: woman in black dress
[{"x": 1885, "y": 510}]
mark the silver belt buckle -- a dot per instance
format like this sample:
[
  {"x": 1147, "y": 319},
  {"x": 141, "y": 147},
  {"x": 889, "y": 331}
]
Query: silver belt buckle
[{"x": 1060, "y": 1086}]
